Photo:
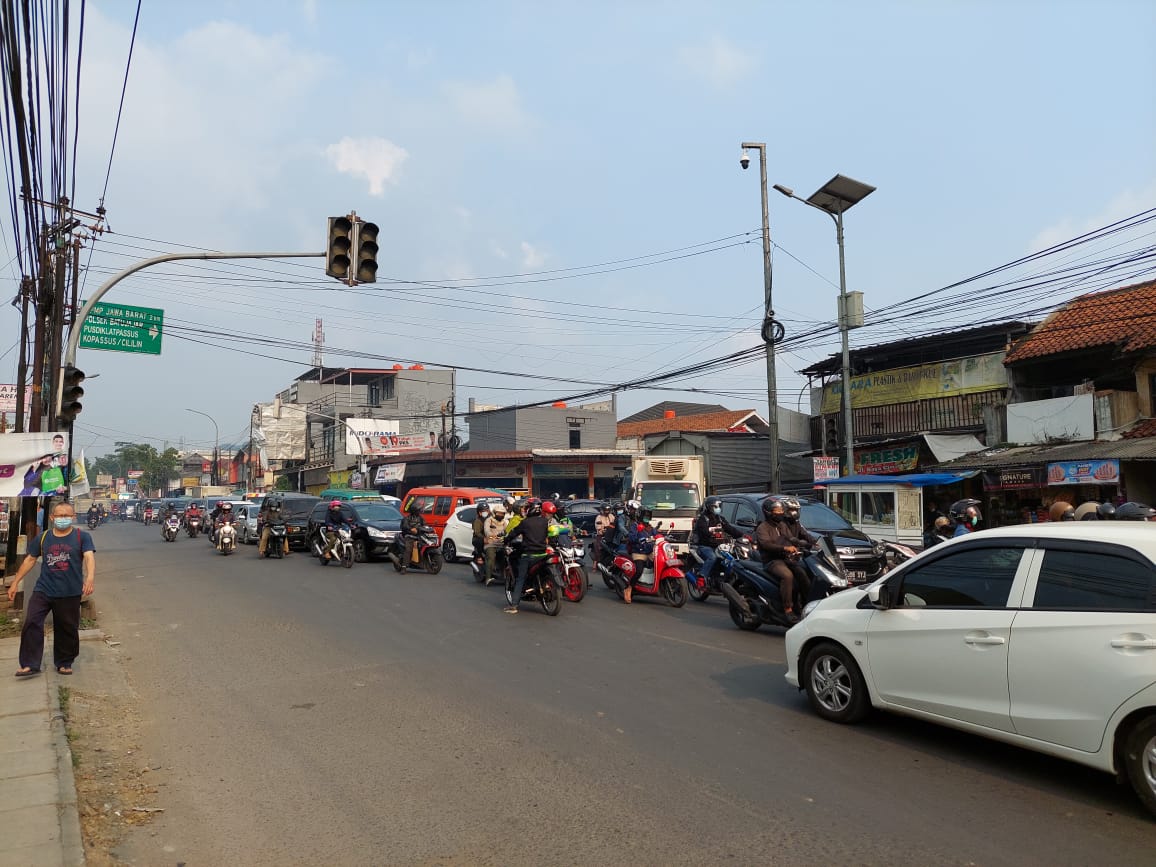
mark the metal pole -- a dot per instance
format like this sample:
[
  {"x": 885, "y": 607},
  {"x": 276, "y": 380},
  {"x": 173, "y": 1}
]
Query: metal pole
[
  {"x": 768, "y": 331},
  {"x": 844, "y": 327},
  {"x": 213, "y": 476}
]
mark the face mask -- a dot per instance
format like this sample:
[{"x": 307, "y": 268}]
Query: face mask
[
  {"x": 777, "y": 517},
  {"x": 62, "y": 523}
]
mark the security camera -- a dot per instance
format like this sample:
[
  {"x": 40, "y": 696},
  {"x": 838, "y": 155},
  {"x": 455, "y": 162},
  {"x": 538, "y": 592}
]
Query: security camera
[{"x": 745, "y": 160}]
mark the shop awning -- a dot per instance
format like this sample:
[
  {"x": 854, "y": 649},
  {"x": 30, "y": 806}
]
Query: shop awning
[
  {"x": 915, "y": 480},
  {"x": 948, "y": 447}
]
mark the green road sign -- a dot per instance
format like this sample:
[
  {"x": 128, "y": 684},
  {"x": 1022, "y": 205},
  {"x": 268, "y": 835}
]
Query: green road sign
[{"x": 120, "y": 328}]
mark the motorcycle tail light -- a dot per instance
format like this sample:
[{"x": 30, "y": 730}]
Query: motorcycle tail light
[{"x": 553, "y": 559}]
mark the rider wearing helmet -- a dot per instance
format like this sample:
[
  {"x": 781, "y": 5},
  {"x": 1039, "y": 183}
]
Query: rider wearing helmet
[
  {"x": 941, "y": 531},
  {"x": 966, "y": 515},
  {"x": 1135, "y": 512},
  {"x": 1061, "y": 511},
  {"x": 478, "y": 532},
  {"x": 533, "y": 530},
  {"x": 271, "y": 514},
  {"x": 334, "y": 519},
  {"x": 1106, "y": 512},
  {"x": 603, "y": 520},
  {"x": 412, "y": 526},
  {"x": 711, "y": 529},
  {"x": 776, "y": 543},
  {"x": 494, "y": 533},
  {"x": 803, "y": 539}
]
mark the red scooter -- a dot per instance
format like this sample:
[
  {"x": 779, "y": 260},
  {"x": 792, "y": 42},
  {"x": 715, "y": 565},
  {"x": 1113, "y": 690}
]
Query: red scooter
[{"x": 662, "y": 575}]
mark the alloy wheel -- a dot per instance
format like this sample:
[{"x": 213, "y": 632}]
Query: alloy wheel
[{"x": 832, "y": 683}]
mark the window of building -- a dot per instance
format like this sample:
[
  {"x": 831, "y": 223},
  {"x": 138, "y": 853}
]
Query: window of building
[
  {"x": 575, "y": 438},
  {"x": 972, "y": 578},
  {"x": 846, "y": 503},
  {"x": 878, "y": 508},
  {"x": 1093, "y": 581}
]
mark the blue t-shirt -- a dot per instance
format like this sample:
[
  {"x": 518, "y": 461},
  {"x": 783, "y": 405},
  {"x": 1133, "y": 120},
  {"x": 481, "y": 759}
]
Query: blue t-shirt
[
  {"x": 960, "y": 530},
  {"x": 62, "y": 563}
]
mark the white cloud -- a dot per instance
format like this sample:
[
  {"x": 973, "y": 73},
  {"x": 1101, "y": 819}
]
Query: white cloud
[
  {"x": 309, "y": 10},
  {"x": 1125, "y": 204},
  {"x": 494, "y": 105},
  {"x": 719, "y": 61},
  {"x": 532, "y": 257},
  {"x": 498, "y": 250},
  {"x": 376, "y": 159}
]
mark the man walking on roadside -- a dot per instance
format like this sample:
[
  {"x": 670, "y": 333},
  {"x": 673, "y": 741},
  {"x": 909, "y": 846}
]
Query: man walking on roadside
[{"x": 67, "y": 574}]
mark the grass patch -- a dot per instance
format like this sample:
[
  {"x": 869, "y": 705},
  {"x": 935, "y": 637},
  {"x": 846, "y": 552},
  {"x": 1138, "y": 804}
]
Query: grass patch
[
  {"x": 65, "y": 706},
  {"x": 8, "y": 626},
  {"x": 87, "y": 623}
]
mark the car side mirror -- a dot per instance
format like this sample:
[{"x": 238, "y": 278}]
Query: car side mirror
[{"x": 880, "y": 596}]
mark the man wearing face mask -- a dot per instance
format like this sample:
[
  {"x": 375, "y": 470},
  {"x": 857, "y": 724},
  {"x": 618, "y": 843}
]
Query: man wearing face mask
[
  {"x": 67, "y": 574},
  {"x": 711, "y": 529},
  {"x": 779, "y": 549}
]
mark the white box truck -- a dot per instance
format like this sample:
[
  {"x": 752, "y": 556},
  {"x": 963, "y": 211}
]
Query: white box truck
[{"x": 673, "y": 487}]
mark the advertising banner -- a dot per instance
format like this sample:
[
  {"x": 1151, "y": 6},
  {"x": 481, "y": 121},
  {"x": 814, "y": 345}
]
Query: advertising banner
[
  {"x": 379, "y": 436},
  {"x": 920, "y": 382},
  {"x": 32, "y": 464},
  {"x": 1084, "y": 473},
  {"x": 104, "y": 480},
  {"x": 190, "y": 481},
  {"x": 79, "y": 485},
  {"x": 388, "y": 473},
  {"x": 1014, "y": 480},
  {"x": 8, "y": 398},
  {"x": 135, "y": 474},
  {"x": 825, "y": 468},
  {"x": 893, "y": 459}
]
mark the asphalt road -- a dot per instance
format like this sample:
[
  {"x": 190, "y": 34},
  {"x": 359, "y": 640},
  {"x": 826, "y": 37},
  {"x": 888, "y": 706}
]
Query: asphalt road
[{"x": 318, "y": 715}]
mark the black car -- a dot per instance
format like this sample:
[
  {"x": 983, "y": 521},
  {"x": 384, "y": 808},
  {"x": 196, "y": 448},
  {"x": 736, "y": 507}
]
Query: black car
[
  {"x": 863, "y": 558},
  {"x": 375, "y": 524},
  {"x": 582, "y": 514},
  {"x": 295, "y": 509}
]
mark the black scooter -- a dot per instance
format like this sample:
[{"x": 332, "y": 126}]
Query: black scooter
[{"x": 754, "y": 595}]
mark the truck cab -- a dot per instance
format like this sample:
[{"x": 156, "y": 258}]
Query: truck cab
[{"x": 672, "y": 488}]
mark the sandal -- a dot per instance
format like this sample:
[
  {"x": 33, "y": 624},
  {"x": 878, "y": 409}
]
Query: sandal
[
  {"x": 63, "y": 669},
  {"x": 28, "y": 672}
]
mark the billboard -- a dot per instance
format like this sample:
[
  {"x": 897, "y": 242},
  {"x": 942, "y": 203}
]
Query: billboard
[
  {"x": 825, "y": 468},
  {"x": 8, "y": 398},
  {"x": 379, "y": 436},
  {"x": 32, "y": 464},
  {"x": 920, "y": 382}
]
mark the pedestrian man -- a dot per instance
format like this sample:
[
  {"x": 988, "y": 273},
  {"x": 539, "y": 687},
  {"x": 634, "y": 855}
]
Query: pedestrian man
[{"x": 67, "y": 573}]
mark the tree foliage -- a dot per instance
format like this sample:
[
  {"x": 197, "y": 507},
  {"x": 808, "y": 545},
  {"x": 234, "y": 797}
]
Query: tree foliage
[{"x": 157, "y": 468}]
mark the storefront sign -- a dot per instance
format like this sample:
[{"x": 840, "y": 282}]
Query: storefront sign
[
  {"x": 896, "y": 459},
  {"x": 388, "y": 473},
  {"x": 186, "y": 481},
  {"x": 8, "y": 398},
  {"x": 376, "y": 436},
  {"x": 1084, "y": 473},
  {"x": 825, "y": 468},
  {"x": 921, "y": 382},
  {"x": 1014, "y": 480},
  {"x": 355, "y": 481}
]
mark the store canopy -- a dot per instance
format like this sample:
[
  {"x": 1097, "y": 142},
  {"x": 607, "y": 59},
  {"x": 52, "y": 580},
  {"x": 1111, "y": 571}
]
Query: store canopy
[
  {"x": 948, "y": 447},
  {"x": 915, "y": 480}
]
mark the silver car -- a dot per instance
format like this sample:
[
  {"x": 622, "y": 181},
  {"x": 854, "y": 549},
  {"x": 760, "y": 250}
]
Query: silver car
[{"x": 246, "y": 522}]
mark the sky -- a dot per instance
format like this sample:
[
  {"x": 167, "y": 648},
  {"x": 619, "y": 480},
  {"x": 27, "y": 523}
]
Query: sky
[{"x": 592, "y": 149}]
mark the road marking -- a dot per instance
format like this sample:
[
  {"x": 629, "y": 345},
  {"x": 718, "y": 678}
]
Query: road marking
[{"x": 713, "y": 647}]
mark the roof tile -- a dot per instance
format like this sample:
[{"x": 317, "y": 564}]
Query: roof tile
[
  {"x": 1124, "y": 318},
  {"x": 705, "y": 421}
]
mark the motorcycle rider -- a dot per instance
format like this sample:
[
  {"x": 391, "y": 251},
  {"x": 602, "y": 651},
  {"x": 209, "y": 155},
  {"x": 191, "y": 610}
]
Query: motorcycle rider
[
  {"x": 1133, "y": 511},
  {"x": 711, "y": 529},
  {"x": 412, "y": 526},
  {"x": 941, "y": 532},
  {"x": 777, "y": 546},
  {"x": 193, "y": 511},
  {"x": 604, "y": 519},
  {"x": 272, "y": 508},
  {"x": 93, "y": 513},
  {"x": 478, "y": 531},
  {"x": 533, "y": 530},
  {"x": 1062, "y": 511},
  {"x": 640, "y": 545},
  {"x": 494, "y": 540},
  {"x": 148, "y": 511},
  {"x": 335, "y": 519},
  {"x": 966, "y": 515}
]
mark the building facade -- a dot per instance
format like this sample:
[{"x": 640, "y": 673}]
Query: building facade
[{"x": 590, "y": 426}]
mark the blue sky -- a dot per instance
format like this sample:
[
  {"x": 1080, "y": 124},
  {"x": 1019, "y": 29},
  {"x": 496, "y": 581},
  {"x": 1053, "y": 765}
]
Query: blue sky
[{"x": 492, "y": 139}]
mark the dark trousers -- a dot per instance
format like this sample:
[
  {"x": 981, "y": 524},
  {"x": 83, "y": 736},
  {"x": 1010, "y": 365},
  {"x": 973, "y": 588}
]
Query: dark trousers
[{"x": 65, "y": 630}]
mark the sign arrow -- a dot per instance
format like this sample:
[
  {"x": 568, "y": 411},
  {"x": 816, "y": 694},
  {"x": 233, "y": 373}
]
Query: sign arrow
[{"x": 153, "y": 332}]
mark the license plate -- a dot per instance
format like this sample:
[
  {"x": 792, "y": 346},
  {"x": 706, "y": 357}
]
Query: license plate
[{"x": 856, "y": 575}]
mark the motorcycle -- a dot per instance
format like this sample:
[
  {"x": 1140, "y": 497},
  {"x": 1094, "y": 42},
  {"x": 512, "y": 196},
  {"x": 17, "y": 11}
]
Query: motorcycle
[
  {"x": 170, "y": 528},
  {"x": 478, "y": 566},
  {"x": 193, "y": 525},
  {"x": 703, "y": 586},
  {"x": 754, "y": 595},
  {"x": 342, "y": 547},
  {"x": 429, "y": 553},
  {"x": 541, "y": 582},
  {"x": 574, "y": 579},
  {"x": 661, "y": 575},
  {"x": 896, "y": 554},
  {"x": 148, "y": 517},
  {"x": 275, "y": 544},
  {"x": 93, "y": 520},
  {"x": 226, "y": 539}
]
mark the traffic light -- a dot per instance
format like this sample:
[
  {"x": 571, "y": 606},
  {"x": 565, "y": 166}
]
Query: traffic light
[
  {"x": 831, "y": 436},
  {"x": 339, "y": 248},
  {"x": 70, "y": 394},
  {"x": 366, "y": 253}
]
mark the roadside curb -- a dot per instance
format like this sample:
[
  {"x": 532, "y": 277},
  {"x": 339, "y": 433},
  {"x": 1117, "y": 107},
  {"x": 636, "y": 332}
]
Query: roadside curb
[{"x": 71, "y": 841}]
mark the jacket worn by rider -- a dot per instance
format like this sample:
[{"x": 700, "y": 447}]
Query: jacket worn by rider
[
  {"x": 772, "y": 539},
  {"x": 641, "y": 539},
  {"x": 802, "y": 538},
  {"x": 710, "y": 531},
  {"x": 534, "y": 532},
  {"x": 412, "y": 525}
]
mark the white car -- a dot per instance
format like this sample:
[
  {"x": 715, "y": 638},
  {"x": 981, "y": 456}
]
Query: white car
[
  {"x": 458, "y": 535},
  {"x": 1042, "y": 635}
]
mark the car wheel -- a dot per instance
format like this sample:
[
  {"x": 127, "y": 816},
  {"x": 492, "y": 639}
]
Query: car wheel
[
  {"x": 1140, "y": 761},
  {"x": 360, "y": 553},
  {"x": 449, "y": 551},
  {"x": 834, "y": 684}
]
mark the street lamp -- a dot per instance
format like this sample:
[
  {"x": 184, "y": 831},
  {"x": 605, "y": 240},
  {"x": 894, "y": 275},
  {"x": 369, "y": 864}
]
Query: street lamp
[
  {"x": 216, "y": 443},
  {"x": 769, "y": 324},
  {"x": 834, "y": 198}
]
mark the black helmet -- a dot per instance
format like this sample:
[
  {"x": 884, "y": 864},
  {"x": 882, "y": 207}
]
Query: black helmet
[
  {"x": 1106, "y": 511},
  {"x": 414, "y": 508},
  {"x": 559, "y": 510},
  {"x": 966, "y": 512},
  {"x": 1135, "y": 512},
  {"x": 533, "y": 507},
  {"x": 793, "y": 508},
  {"x": 646, "y": 516},
  {"x": 483, "y": 508},
  {"x": 711, "y": 503},
  {"x": 770, "y": 504}
]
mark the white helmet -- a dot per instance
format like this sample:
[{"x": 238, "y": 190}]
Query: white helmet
[{"x": 499, "y": 510}]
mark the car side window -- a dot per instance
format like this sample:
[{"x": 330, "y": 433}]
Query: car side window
[
  {"x": 424, "y": 502},
  {"x": 972, "y": 578},
  {"x": 468, "y": 516},
  {"x": 347, "y": 513},
  {"x": 442, "y": 505},
  {"x": 1093, "y": 581},
  {"x": 747, "y": 516}
]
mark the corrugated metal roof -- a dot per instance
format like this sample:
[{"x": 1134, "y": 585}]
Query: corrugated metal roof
[{"x": 1143, "y": 449}]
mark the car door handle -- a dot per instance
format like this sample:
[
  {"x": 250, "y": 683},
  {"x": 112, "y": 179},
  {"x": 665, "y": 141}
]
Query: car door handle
[
  {"x": 1134, "y": 643},
  {"x": 984, "y": 639}
]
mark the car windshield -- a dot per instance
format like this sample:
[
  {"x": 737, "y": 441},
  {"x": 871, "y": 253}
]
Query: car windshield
[
  {"x": 668, "y": 496},
  {"x": 377, "y": 511},
  {"x": 821, "y": 518}
]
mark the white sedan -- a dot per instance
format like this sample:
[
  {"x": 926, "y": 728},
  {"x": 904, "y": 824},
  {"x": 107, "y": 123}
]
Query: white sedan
[
  {"x": 458, "y": 535},
  {"x": 1041, "y": 635}
]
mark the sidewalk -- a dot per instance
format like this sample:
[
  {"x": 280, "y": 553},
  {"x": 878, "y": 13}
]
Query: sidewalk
[{"x": 39, "y": 823}]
